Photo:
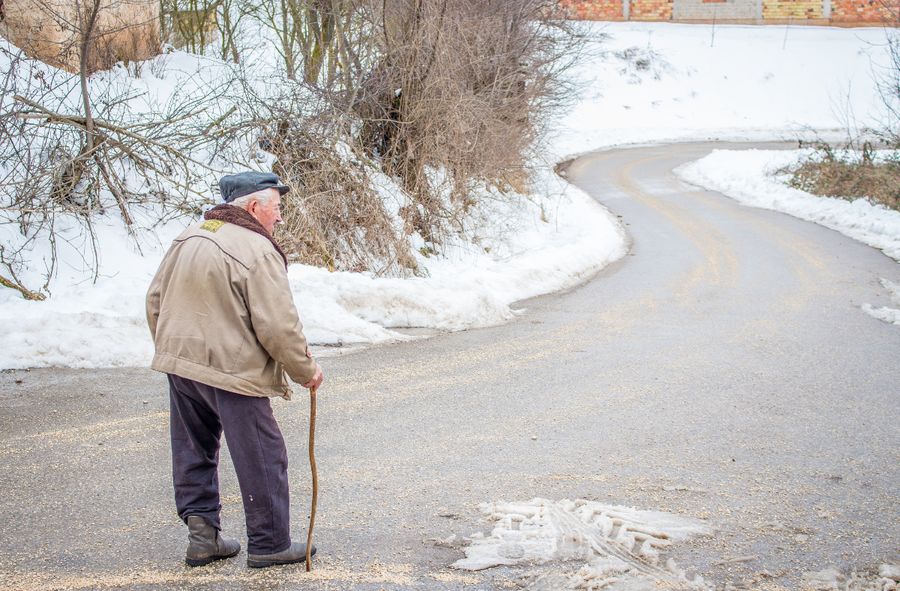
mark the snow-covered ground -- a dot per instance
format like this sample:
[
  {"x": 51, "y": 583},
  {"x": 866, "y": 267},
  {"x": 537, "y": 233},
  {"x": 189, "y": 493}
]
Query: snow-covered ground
[
  {"x": 661, "y": 82},
  {"x": 637, "y": 83}
]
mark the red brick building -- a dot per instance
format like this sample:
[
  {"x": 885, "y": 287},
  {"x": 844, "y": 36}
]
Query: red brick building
[{"x": 827, "y": 12}]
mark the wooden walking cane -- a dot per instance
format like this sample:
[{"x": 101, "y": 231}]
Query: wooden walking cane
[{"x": 315, "y": 475}]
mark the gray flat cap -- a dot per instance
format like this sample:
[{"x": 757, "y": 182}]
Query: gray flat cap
[{"x": 237, "y": 185}]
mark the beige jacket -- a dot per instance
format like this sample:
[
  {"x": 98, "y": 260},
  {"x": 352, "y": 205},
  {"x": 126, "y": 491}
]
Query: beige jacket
[{"x": 221, "y": 312}]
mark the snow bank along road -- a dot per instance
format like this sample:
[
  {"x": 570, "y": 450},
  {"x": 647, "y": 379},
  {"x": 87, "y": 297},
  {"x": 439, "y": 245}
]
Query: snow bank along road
[{"x": 723, "y": 371}]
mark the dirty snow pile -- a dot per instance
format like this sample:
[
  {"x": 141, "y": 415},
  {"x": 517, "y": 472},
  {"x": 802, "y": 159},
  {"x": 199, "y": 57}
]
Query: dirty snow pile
[
  {"x": 103, "y": 324},
  {"x": 569, "y": 545},
  {"x": 591, "y": 545},
  {"x": 831, "y": 579},
  {"x": 886, "y": 313},
  {"x": 516, "y": 255},
  {"x": 637, "y": 82}
]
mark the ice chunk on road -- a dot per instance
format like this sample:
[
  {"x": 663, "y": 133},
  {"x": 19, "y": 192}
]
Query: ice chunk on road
[
  {"x": 831, "y": 579},
  {"x": 886, "y": 313},
  {"x": 602, "y": 543}
]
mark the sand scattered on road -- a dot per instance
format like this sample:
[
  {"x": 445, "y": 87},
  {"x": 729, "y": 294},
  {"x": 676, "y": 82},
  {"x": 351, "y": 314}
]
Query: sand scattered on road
[{"x": 330, "y": 571}]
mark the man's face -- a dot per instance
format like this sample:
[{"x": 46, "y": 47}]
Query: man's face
[{"x": 269, "y": 213}]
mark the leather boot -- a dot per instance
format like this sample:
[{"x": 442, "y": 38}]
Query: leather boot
[
  {"x": 296, "y": 552},
  {"x": 206, "y": 544}
]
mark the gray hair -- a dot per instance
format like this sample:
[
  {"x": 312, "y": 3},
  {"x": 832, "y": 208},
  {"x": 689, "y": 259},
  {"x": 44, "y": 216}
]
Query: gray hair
[{"x": 263, "y": 196}]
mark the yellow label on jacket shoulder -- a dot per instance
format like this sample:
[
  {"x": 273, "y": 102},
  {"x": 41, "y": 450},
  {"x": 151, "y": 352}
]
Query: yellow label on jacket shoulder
[{"x": 212, "y": 225}]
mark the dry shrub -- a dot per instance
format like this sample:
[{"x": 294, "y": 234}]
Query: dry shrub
[
  {"x": 838, "y": 174},
  {"x": 333, "y": 217},
  {"x": 460, "y": 88},
  {"x": 854, "y": 171}
]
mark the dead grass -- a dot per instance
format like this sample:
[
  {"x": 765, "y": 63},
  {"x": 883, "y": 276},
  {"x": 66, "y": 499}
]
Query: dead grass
[
  {"x": 849, "y": 174},
  {"x": 334, "y": 218}
]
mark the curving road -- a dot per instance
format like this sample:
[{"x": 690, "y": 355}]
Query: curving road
[{"x": 722, "y": 370}]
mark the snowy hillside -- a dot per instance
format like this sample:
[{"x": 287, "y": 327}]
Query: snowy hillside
[
  {"x": 636, "y": 82},
  {"x": 655, "y": 82}
]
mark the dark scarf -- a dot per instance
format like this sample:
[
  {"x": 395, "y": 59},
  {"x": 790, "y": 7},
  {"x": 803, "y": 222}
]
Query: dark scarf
[{"x": 241, "y": 217}]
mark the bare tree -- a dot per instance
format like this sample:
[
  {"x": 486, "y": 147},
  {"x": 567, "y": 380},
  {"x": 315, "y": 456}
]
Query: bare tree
[
  {"x": 192, "y": 23},
  {"x": 231, "y": 14},
  {"x": 198, "y": 25},
  {"x": 320, "y": 38}
]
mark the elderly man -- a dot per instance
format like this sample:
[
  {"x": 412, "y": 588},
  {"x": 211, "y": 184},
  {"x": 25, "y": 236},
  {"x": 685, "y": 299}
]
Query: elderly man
[{"x": 226, "y": 332}]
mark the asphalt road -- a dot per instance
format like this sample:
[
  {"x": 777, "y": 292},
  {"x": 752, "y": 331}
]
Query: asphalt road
[{"x": 722, "y": 370}]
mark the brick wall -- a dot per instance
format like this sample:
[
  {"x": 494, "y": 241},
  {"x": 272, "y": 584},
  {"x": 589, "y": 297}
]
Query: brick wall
[
  {"x": 707, "y": 10},
  {"x": 651, "y": 10},
  {"x": 797, "y": 11},
  {"x": 594, "y": 10},
  {"x": 792, "y": 9},
  {"x": 870, "y": 11}
]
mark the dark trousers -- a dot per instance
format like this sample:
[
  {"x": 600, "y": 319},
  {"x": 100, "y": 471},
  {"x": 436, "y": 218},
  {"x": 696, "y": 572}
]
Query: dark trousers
[{"x": 199, "y": 414}]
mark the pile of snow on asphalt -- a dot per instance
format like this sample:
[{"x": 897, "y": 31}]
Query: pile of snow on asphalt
[
  {"x": 591, "y": 545},
  {"x": 886, "y": 313},
  {"x": 831, "y": 579},
  {"x": 569, "y": 545}
]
